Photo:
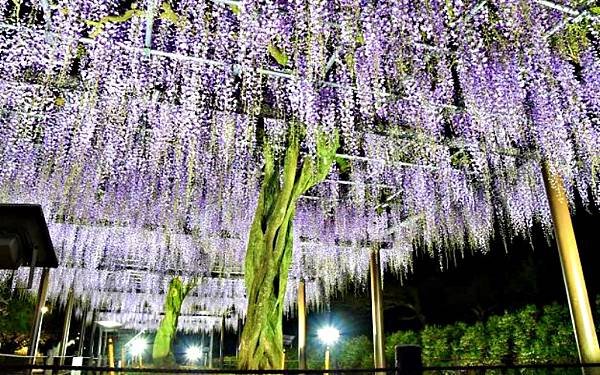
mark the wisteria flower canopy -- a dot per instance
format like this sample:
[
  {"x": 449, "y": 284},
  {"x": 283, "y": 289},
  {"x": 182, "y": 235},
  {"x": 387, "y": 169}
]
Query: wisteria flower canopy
[{"x": 141, "y": 127}]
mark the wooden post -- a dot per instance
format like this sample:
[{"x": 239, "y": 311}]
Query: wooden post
[{"x": 579, "y": 304}]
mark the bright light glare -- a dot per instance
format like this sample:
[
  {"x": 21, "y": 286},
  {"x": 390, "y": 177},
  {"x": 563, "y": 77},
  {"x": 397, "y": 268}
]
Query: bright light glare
[
  {"x": 193, "y": 353},
  {"x": 138, "y": 346},
  {"x": 328, "y": 335},
  {"x": 44, "y": 309}
]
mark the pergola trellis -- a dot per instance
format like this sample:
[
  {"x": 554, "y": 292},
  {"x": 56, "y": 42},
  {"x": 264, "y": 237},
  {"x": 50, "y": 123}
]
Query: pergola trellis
[{"x": 171, "y": 152}]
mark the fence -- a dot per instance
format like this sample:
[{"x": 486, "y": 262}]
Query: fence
[
  {"x": 408, "y": 361},
  {"x": 533, "y": 369}
]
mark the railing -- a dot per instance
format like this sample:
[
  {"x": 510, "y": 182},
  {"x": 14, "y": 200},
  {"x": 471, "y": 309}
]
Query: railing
[
  {"x": 408, "y": 361},
  {"x": 534, "y": 369}
]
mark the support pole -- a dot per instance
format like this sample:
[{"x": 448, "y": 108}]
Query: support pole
[
  {"x": 222, "y": 344},
  {"x": 36, "y": 327},
  {"x": 283, "y": 360},
  {"x": 105, "y": 346},
  {"x": 100, "y": 343},
  {"x": 327, "y": 361},
  {"x": 377, "y": 310},
  {"x": 111, "y": 355},
  {"x": 66, "y": 327},
  {"x": 210, "y": 348},
  {"x": 93, "y": 334},
  {"x": 579, "y": 304},
  {"x": 239, "y": 338},
  {"x": 301, "y": 324},
  {"x": 82, "y": 333}
]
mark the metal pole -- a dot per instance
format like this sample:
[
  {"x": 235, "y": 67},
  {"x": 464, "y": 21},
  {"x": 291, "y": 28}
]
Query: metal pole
[
  {"x": 579, "y": 304},
  {"x": 93, "y": 334},
  {"x": 239, "y": 338},
  {"x": 82, "y": 333},
  {"x": 111, "y": 355},
  {"x": 91, "y": 348},
  {"x": 100, "y": 342},
  {"x": 327, "y": 361},
  {"x": 210, "y": 348},
  {"x": 301, "y": 324},
  {"x": 377, "y": 310},
  {"x": 66, "y": 327},
  {"x": 222, "y": 344},
  {"x": 36, "y": 327},
  {"x": 105, "y": 344}
]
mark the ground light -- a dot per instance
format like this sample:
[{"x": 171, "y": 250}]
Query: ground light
[
  {"x": 138, "y": 347},
  {"x": 193, "y": 354},
  {"x": 329, "y": 336}
]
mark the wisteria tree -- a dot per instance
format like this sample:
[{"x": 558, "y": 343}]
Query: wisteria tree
[
  {"x": 162, "y": 349},
  {"x": 183, "y": 135},
  {"x": 269, "y": 252}
]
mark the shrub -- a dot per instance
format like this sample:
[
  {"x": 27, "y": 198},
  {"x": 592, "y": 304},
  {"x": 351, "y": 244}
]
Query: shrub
[
  {"x": 499, "y": 331},
  {"x": 400, "y": 338},
  {"x": 356, "y": 352}
]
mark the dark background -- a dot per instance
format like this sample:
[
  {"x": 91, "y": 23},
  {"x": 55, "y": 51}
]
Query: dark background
[{"x": 479, "y": 285}]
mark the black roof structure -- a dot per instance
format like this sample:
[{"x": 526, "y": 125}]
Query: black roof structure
[{"x": 24, "y": 237}]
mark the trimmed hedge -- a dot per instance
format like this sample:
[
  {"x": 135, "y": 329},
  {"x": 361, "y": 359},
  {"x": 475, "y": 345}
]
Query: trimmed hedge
[{"x": 528, "y": 335}]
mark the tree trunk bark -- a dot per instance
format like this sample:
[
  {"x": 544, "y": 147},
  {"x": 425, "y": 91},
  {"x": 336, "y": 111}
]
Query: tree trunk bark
[
  {"x": 269, "y": 250},
  {"x": 162, "y": 354}
]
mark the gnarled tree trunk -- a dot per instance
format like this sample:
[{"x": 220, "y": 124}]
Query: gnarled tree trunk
[
  {"x": 269, "y": 250},
  {"x": 162, "y": 354}
]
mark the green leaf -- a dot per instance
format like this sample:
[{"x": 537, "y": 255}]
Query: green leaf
[
  {"x": 360, "y": 39},
  {"x": 278, "y": 55},
  {"x": 595, "y": 10},
  {"x": 342, "y": 164},
  {"x": 99, "y": 25},
  {"x": 169, "y": 14},
  {"x": 235, "y": 9}
]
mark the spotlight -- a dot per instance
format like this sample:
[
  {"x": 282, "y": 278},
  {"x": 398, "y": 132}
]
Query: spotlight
[
  {"x": 328, "y": 335},
  {"x": 137, "y": 347},
  {"x": 193, "y": 353}
]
